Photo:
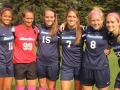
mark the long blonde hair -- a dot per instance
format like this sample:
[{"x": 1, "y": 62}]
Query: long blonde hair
[
  {"x": 78, "y": 29},
  {"x": 54, "y": 27}
]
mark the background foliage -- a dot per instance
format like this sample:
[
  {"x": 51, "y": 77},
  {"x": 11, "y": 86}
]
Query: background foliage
[{"x": 60, "y": 7}]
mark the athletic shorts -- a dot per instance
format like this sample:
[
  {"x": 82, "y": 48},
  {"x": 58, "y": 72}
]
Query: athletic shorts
[
  {"x": 6, "y": 70},
  {"x": 70, "y": 73},
  {"x": 49, "y": 72},
  {"x": 101, "y": 78},
  {"x": 117, "y": 81},
  {"x": 25, "y": 71}
]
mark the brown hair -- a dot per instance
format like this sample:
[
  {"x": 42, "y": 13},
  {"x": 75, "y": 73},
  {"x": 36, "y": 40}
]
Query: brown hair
[
  {"x": 6, "y": 7},
  {"x": 28, "y": 9},
  {"x": 31, "y": 10},
  {"x": 78, "y": 29},
  {"x": 54, "y": 27}
]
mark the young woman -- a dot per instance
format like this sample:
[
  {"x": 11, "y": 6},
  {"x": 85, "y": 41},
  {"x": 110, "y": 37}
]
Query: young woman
[
  {"x": 113, "y": 26},
  {"x": 6, "y": 49},
  {"x": 95, "y": 67},
  {"x": 24, "y": 55},
  {"x": 48, "y": 51},
  {"x": 72, "y": 49}
]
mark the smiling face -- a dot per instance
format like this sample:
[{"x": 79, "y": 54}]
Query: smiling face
[
  {"x": 49, "y": 18},
  {"x": 28, "y": 19},
  {"x": 72, "y": 19},
  {"x": 96, "y": 21},
  {"x": 112, "y": 23},
  {"x": 6, "y": 17}
]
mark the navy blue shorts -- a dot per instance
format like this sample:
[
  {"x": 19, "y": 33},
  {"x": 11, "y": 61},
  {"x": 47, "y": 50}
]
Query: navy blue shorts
[
  {"x": 25, "y": 71},
  {"x": 99, "y": 77},
  {"x": 49, "y": 72},
  {"x": 117, "y": 81},
  {"x": 70, "y": 73},
  {"x": 6, "y": 70}
]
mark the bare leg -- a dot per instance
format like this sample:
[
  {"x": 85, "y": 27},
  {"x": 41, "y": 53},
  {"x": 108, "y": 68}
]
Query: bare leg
[
  {"x": 7, "y": 83},
  {"x": 66, "y": 84},
  {"x": 42, "y": 83},
  {"x": 87, "y": 87},
  {"x": 105, "y": 88},
  {"x": 77, "y": 85},
  {"x": 20, "y": 84},
  {"x": 51, "y": 84},
  {"x": 1, "y": 83},
  {"x": 117, "y": 88},
  {"x": 31, "y": 84}
]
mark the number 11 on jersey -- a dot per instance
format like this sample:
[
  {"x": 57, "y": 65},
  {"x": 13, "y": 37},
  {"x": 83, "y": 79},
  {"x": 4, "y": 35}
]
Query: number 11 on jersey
[{"x": 10, "y": 45}]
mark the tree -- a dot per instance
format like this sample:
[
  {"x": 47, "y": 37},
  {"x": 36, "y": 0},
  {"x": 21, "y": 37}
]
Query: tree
[{"x": 60, "y": 7}]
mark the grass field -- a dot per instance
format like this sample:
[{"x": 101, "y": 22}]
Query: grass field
[{"x": 113, "y": 68}]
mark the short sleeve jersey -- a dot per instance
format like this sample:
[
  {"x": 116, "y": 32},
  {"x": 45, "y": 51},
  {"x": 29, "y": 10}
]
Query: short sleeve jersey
[
  {"x": 71, "y": 52},
  {"x": 24, "y": 44},
  {"x": 6, "y": 45},
  {"x": 48, "y": 47},
  {"x": 115, "y": 45},
  {"x": 95, "y": 44}
]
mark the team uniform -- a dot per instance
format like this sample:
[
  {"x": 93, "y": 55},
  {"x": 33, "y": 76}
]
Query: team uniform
[
  {"x": 6, "y": 51},
  {"x": 71, "y": 55},
  {"x": 116, "y": 48},
  {"x": 24, "y": 57},
  {"x": 48, "y": 57},
  {"x": 95, "y": 63}
]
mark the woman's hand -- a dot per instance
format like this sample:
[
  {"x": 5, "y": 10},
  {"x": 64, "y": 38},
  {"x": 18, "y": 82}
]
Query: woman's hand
[
  {"x": 107, "y": 51},
  {"x": 62, "y": 27}
]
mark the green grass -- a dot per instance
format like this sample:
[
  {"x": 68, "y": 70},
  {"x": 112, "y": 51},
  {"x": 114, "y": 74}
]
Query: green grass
[{"x": 113, "y": 68}]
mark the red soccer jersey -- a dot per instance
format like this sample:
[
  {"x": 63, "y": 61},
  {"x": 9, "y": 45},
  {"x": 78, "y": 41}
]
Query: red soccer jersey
[{"x": 25, "y": 39}]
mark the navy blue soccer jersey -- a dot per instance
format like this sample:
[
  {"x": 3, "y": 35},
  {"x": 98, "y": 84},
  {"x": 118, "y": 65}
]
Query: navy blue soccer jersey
[
  {"x": 96, "y": 42},
  {"x": 71, "y": 52},
  {"x": 6, "y": 45},
  {"x": 48, "y": 48},
  {"x": 116, "y": 46}
]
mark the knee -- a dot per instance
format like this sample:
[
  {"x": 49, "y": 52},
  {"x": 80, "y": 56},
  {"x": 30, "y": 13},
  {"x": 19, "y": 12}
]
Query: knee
[
  {"x": 52, "y": 89},
  {"x": 7, "y": 88}
]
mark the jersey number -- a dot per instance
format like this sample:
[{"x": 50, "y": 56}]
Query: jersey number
[
  {"x": 93, "y": 44},
  {"x": 46, "y": 39},
  {"x": 10, "y": 46},
  {"x": 27, "y": 46},
  {"x": 69, "y": 43}
]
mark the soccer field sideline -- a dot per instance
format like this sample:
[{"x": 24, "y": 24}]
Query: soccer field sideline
[{"x": 114, "y": 69}]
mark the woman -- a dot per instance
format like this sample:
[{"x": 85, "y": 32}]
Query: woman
[
  {"x": 6, "y": 48},
  {"x": 48, "y": 51},
  {"x": 95, "y": 66},
  {"x": 24, "y": 55},
  {"x": 113, "y": 26},
  {"x": 72, "y": 49}
]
